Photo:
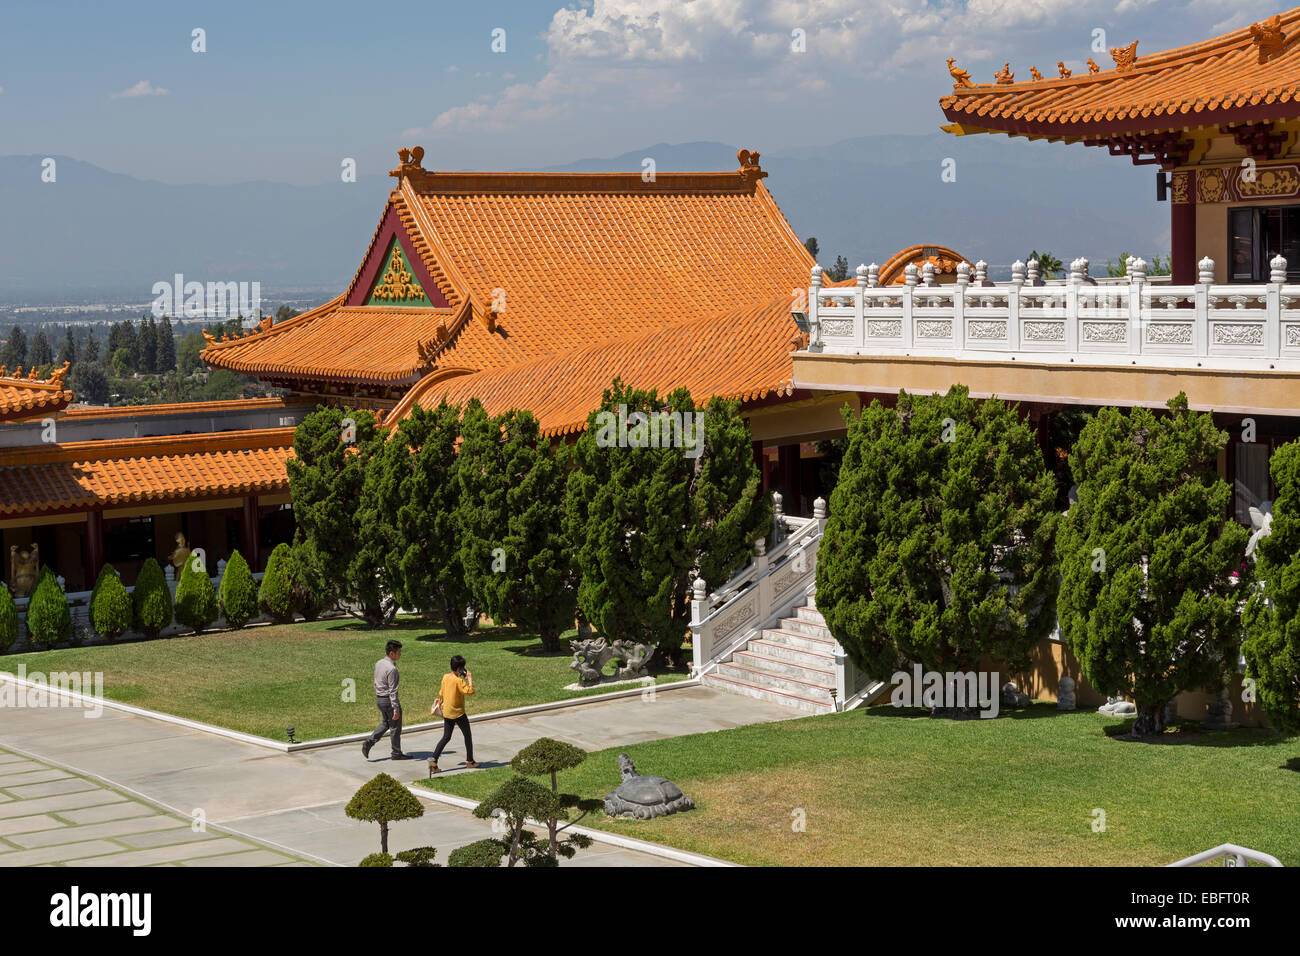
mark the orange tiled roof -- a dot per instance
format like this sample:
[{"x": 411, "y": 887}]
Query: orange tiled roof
[
  {"x": 183, "y": 408},
  {"x": 111, "y": 474},
  {"x": 945, "y": 262},
  {"x": 26, "y": 396},
  {"x": 1245, "y": 75},
  {"x": 562, "y": 389},
  {"x": 568, "y": 259}
]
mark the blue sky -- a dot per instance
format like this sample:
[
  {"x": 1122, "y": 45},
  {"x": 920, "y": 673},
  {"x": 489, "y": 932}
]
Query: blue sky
[{"x": 286, "y": 91}]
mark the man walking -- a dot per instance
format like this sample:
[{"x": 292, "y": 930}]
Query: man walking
[{"x": 390, "y": 708}]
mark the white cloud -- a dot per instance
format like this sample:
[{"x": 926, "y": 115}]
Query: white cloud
[{"x": 143, "y": 88}]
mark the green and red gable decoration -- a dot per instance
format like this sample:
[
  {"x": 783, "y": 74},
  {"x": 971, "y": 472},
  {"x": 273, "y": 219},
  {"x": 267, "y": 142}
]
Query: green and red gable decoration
[{"x": 393, "y": 275}]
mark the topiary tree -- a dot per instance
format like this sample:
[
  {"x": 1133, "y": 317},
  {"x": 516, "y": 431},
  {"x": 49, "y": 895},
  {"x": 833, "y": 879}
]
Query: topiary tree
[
  {"x": 275, "y": 595},
  {"x": 410, "y": 495},
  {"x": 1272, "y": 617},
  {"x": 151, "y": 600},
  {"x": 938, "y": 547},
  {"x": 110, "y": 605},
  {"x": 479, "y": 853},
  {"x": 419, "y": 856},
  {"x": 377, "y": 859},
  {"x": 48, "y": 619},
  {"x": 1148, "y": 600},
  {"x": 383, "y": 800},
  {"x": 238, "y": 596},
  {"x": 8, "y": 619},
  {"x": 196, "y": 599},
  {"x": 516, "y": 801},
  {"x": 515, "y": 557},
  {"x": 546, "y": 756},
  {"x": 334, "y": 450}
]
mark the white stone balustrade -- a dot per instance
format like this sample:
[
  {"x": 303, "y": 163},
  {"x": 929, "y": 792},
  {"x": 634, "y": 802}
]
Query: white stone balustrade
[{"x": 1203, "y": 325}]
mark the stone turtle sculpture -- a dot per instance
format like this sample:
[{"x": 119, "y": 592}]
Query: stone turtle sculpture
[{"x": 644, "y": 797}]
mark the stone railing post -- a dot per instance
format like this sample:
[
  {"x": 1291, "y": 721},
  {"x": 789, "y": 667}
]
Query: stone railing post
[
  {"x": 820, "y": 513},
  {"x": 927, "y": 274},
  {"x": 1274, "y": 302},
  {"x": 1137, "y": 277},
  {"x": 982, "y": 273},
  {"x": 1031, "y": 269},
  {"x": 814, "y": 303},
  {"x": 1201, "y": 322},
  {"x": 963, "y": 274},
  {"x": 873, "y": 275},
  {"x": 909, "y": 302},
  {"x": 859, "y": 306}
]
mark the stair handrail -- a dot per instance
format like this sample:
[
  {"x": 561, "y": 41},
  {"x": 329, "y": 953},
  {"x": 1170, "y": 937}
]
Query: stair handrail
[{"x": 1231, "y": 854}]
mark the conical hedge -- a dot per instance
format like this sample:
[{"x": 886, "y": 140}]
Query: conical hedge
[
  {"x": 151, "y": 601},
  {"x": 238, "y": 592},
  {"x": 275, "y": 596},
  {"x": 110, "y": 605},
  {"x": 196, "y": 599}
]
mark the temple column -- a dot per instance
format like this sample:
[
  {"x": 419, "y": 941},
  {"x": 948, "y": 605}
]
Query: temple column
[
  {"x": 94, "y": 544},
  {"x": 1182, "y": 231},
  {"x": 248, "y": 537},
  {"x": 788, "y": 468}
]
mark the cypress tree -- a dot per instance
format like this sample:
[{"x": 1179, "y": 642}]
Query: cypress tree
[
  {"x": 41, "y": 353},
  {"x": 165, "y": 347},
  {"x": 238, "y": 592},
  {"x": 1272, "y": 647},
  {"x": 1148, "y": 601},
  {"x": 196, "y": 599}
]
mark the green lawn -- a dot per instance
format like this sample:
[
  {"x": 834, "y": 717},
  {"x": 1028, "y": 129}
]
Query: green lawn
[
  {"x": 263, "y": 679},
  {"x": 888, "y": 787}
]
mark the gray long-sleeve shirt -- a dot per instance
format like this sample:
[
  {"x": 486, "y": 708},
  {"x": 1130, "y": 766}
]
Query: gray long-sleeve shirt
[{"x": 386, "y": 679}]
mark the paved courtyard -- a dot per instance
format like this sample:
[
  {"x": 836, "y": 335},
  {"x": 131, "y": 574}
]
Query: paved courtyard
[
  {"x": 50, "y": 816},
  {"x": 291, "y": 805}
]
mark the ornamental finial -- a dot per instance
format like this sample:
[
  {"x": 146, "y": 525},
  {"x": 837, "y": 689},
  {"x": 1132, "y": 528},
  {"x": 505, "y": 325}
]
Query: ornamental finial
[
  {"x": 960, "y": 78},
  {"x": 1004, "y": 75},
  {"x": 1125, "y": 57},
  {"x": 750, "y": 171},
  {"x": 1268, "y": 37}
]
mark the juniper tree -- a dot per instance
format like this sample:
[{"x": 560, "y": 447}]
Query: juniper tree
[
  {"x": 384, "y": 801},
  {"x": 41, "y": 353},
  {"x": 333, "y": 449},
  {"x": 1272, "y": 647},
  {"x": 1148, "y": 602},
  {"x": 516, "y": 559},
  {"x": 938, "y": 547},
  {"x": 410, "y": 499},
  {"x": 627, "y": 512}
]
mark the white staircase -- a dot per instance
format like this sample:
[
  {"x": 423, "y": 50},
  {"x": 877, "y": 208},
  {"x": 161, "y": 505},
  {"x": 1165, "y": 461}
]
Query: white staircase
[{"x": 792, "y": 663}]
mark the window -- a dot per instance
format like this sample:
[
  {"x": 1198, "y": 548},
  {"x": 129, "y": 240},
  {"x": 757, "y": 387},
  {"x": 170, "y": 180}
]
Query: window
[{"x": 1258, "y": 233}]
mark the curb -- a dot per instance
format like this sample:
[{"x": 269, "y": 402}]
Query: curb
[
  {"x": 598, "y": 836},
  {"x": 95, "y": 703}
]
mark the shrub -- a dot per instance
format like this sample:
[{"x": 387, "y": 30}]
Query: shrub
[
  {"x": 110, "y": 605},
  {"x": 479, "y": 853},
  {"x": 196, "y": 599},
  {"x": 311, "y": 594},
  {"x": 547, "y": 756},
  {"x": 377, "y": 859},
  {"x": 275, "y": 596},
  {"x": 419, "y": 856},
  {"x": 383, "y": 800},
  {"x": 238, "y": 592},
  {"x": 152, "y": 600},
  {"x": 48, "y": 618},
  {"x": 8, "y": 619},
  {"x": 519, "y": 800}
]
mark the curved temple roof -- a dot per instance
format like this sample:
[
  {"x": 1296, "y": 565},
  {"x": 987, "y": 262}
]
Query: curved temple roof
[
  {"x": 1248, "y": 75},
  {"x": 23, "y": 397}
]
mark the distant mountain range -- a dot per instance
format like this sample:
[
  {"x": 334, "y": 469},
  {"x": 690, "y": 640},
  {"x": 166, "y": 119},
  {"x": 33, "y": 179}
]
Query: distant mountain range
[{"x": 94, "y": 234}]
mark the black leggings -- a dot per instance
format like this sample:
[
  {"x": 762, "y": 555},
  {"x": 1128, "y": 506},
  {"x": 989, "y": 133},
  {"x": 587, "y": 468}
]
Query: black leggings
[{"x": 448, "y": 724}]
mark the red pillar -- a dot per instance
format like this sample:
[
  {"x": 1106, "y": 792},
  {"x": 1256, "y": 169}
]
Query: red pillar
[
  {"x": 94, "y": 544},
  {"x": 249, "y": 536},
  {"x": 1182, "y": 230}
]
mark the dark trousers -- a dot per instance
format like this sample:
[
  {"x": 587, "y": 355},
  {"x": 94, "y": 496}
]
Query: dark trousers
[
  {"x": 388, "y": 723},
  {"x": 448, "y": 724}
]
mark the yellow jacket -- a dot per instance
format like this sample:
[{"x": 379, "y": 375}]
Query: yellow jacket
[{"x": 452, "y": 693}]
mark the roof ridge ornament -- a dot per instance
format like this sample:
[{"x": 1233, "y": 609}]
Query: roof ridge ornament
[
  {"x": 1004, "y": 75},
  {"x": 1034, "y": 74},
  {"x": 750, "y": 171},
  {"x": 1268, "y": 37},
  {"x": 411, "y": 162},
  {"x": 1125, "y": 57},
  {"x": 960, "y": 78},
  {"x": 1092, "y": 66},
  {"x": 1062, "y": 69}
]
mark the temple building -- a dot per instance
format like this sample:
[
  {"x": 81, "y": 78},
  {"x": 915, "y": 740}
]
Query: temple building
[{"x": 1221, "y": 120}]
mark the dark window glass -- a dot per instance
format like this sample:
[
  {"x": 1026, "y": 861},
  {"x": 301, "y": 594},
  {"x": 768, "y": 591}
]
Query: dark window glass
[{"x": 1258, "y": 233}]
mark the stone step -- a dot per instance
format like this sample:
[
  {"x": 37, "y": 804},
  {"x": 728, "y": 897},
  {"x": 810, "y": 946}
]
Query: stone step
[
  {"x": 810, "y": 628},
  {"x": 824, "y": 676},
  {"x": 805, "y": 704},
  {"x": 813, "y": 690},
  {"x": 786, "y": 651},
  {"x": 810, "y": 614},
  {"x": 805, "y": 642}
]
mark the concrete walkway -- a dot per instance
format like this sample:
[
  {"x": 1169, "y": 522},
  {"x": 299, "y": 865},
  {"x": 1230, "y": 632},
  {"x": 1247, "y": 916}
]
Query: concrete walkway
[{"x": 294, "y": 803}]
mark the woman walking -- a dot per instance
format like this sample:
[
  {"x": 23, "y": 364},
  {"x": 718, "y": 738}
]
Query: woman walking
[{"x": 456, "y": 686}]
